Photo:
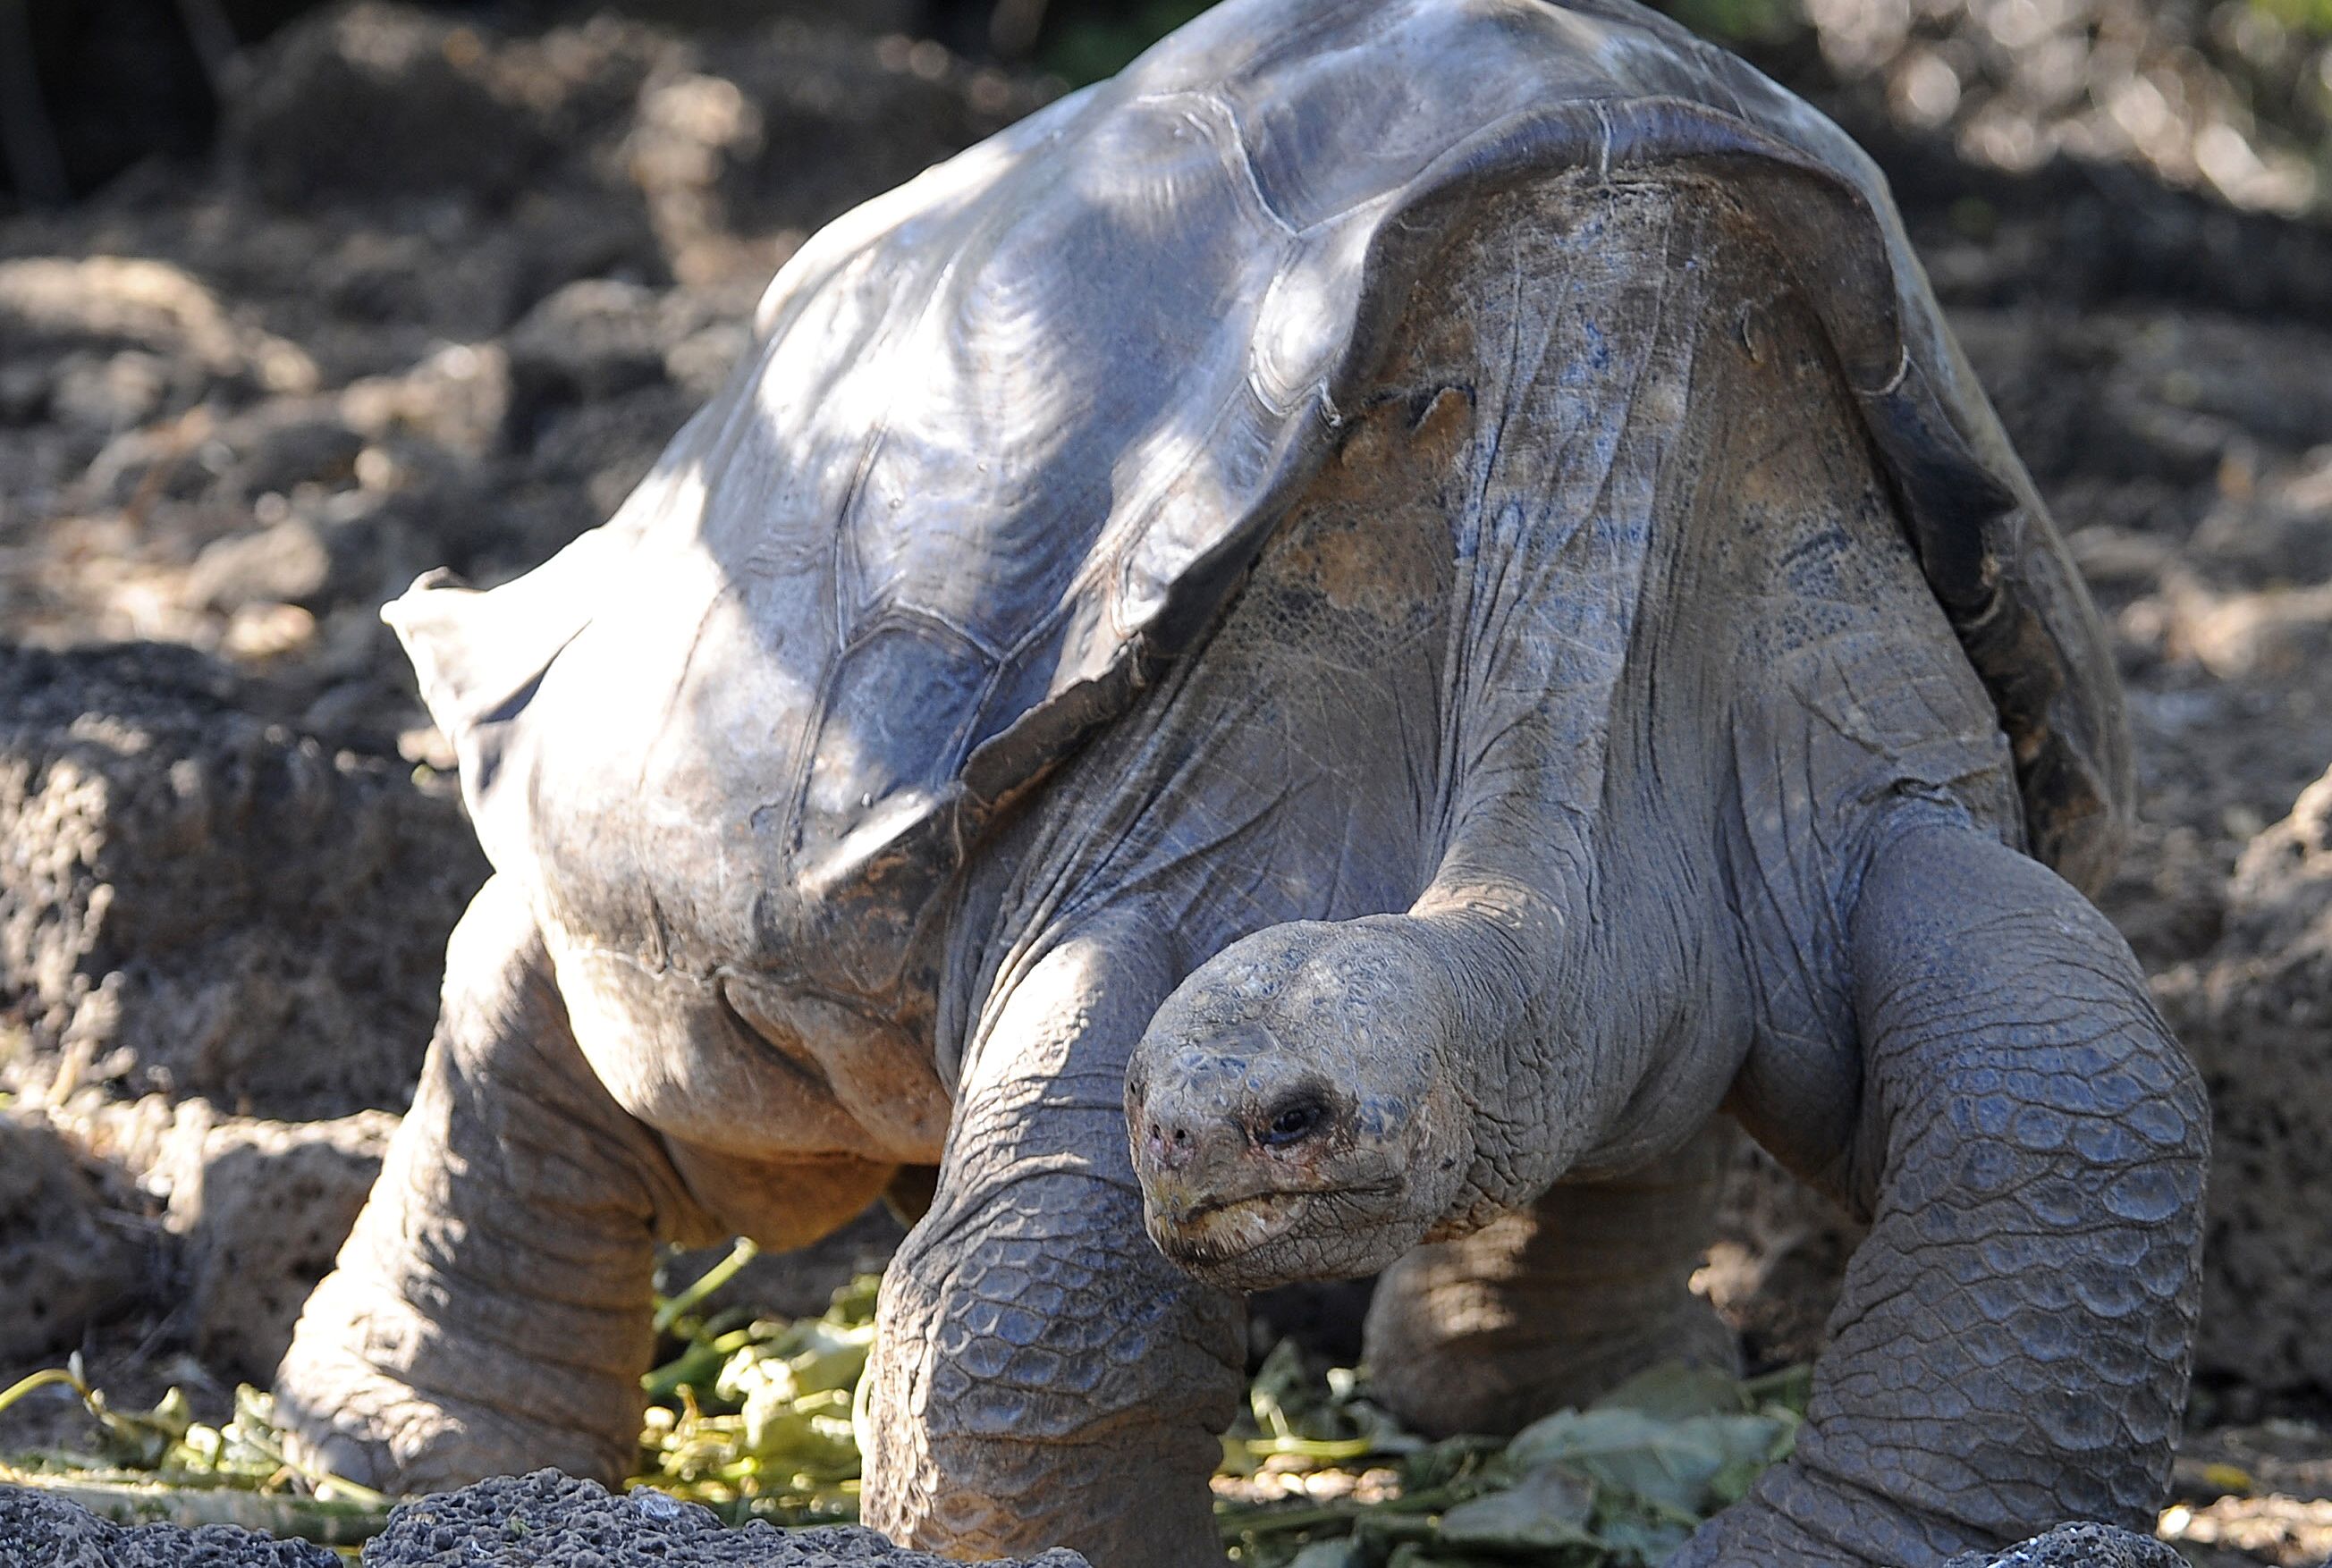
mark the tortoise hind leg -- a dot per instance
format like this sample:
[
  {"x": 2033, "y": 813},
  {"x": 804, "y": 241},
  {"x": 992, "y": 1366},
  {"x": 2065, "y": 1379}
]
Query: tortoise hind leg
[
  {"x": 490, "y": 1312},
  {"x": 2011, "y": 1345},
  {"x": 1553, "y": 1304}
]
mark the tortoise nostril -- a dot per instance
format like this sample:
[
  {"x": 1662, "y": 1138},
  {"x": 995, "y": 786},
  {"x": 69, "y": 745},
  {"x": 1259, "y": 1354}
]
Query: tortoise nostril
[{"x": 1170, "y": 1146}]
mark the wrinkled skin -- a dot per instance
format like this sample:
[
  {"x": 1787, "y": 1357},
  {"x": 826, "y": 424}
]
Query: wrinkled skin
[{"x": 1587, "y": 762}]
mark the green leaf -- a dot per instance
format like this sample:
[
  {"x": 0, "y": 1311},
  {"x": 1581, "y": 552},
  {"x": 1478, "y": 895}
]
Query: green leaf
[
  {"x": 1630, "y": 1538},
  {"x": 1547, "y": 1509},
  {"x": 1455, "y": 1461},
  {"x": 1671, "y": 1392},
  {"x": 670, "y": 1310},
  {"x": 1625, "y": 1449},
  {"x": 1415, "y": 1554},
  {"x": 1792, "y": 1387},
  {"x": 1341, "y": 1553},
  {"x": 1674, "y": 1465}
]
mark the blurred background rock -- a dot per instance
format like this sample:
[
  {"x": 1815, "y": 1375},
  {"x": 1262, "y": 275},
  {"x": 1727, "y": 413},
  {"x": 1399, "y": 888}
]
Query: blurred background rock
[
  {"x": 297, "y": 300},
  {"x": 2233, "y": 96}
]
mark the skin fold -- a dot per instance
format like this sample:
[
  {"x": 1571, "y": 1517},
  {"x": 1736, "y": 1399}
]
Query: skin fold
[{"x": 1586, "y": 767}]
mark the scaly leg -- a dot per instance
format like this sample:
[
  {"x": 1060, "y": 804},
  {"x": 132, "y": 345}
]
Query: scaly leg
[
  {"x": 1042, "y": 1375},
  {"x": 2012, "y": 1344},
  {"x": 490, "y": 1312}
]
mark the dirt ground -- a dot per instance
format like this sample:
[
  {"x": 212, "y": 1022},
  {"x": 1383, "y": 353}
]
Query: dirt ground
[{"x": 444, "y": 290}]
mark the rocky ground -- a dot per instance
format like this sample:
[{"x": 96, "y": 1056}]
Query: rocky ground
[
  {"x": 444, "y": 290},
  {"x": 545, "y": 1520}
]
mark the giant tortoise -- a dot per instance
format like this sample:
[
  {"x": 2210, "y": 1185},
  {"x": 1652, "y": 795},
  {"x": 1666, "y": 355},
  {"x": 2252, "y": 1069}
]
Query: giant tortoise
[{"x": 1324, "y": 658}]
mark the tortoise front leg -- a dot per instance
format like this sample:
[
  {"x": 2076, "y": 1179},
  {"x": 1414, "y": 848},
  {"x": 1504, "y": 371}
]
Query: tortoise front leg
[
  {"x": 1042, "y": 1375},
  {"x": 2012, "y": 1344}
]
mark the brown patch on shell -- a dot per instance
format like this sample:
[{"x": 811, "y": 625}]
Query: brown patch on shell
[{"x": 1372, "y": 533}]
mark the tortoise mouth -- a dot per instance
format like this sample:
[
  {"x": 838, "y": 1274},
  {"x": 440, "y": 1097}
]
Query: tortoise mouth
[
  {"x": 1222, "y": 1231},
  {"x": 1260, "y": 1239}
]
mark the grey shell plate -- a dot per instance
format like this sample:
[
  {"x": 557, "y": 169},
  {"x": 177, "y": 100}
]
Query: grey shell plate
[{"x": 1010, "y": 434}]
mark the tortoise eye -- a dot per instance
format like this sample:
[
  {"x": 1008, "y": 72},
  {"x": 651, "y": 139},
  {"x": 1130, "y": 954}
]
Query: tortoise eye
[{"x": 1293, "y": 1121}]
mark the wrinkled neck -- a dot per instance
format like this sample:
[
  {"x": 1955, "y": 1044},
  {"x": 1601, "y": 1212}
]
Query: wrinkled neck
[
  {"x": 1491, "y": 954},
  {"x": 1583, "y": 329}
]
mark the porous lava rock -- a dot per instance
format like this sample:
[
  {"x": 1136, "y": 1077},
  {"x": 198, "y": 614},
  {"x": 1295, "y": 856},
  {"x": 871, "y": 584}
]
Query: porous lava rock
[
  {"x": 263, "y": 1207},
  {"x": 2078, "y": 1547},
  {"x": 62, "y": 1259},
  {"x": 199, "y": 902},
  {"x": 550, "y": 1520},
  {"x": 378, "y": 99},
  {"x": 545, "y": 1520},
  {"x": 784, "y": 125},
  {"x": 2256, "y": 1011},
  {"x": 38, "y": 1531}
]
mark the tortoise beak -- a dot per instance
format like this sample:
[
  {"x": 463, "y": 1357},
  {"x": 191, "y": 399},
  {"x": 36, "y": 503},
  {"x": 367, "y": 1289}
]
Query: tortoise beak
[{"x": 1194, "y": 1231}]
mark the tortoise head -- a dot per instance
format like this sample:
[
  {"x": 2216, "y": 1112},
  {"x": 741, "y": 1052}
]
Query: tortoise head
[{"x": 1294, "y": 1108}]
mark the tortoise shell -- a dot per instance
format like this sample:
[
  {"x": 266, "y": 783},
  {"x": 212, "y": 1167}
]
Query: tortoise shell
[{"x": 1010, "y": 436}]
